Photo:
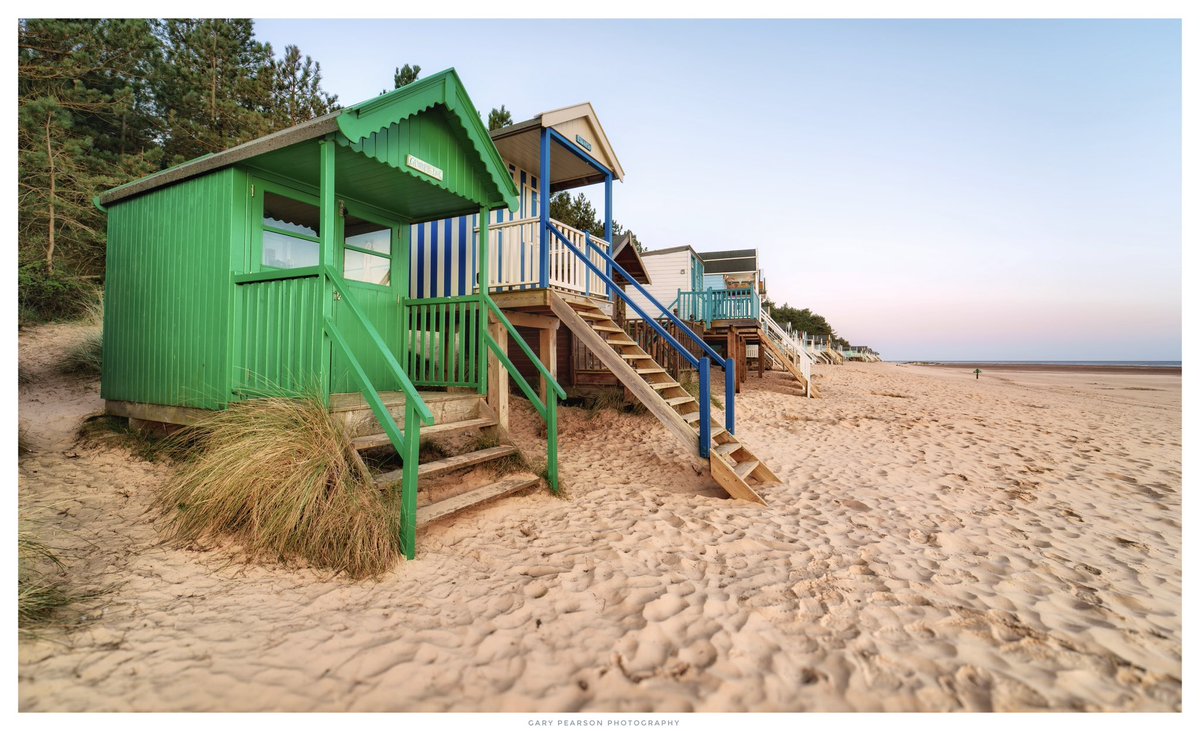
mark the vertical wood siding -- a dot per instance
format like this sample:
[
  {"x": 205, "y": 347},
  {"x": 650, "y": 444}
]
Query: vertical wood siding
[
  {"x": 167, "y": 295},
  {"x": 278, "y": 337},
  {"x": 444, "y": 255}
]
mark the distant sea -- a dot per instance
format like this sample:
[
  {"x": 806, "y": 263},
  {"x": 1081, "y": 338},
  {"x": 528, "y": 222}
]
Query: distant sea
[{"x": 1091, "y": 363}]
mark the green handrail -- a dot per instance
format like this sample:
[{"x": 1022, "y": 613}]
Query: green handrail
[
  {"x": 548, "y": 410},
  {"x": 416, "y": 411},
  {"x": 406, "y": 385}
]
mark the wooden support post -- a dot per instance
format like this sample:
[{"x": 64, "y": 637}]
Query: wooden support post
[
  {"x": 497, "y": 392},
  {"x": 328, "y": 259},
  {"x": 762, "y": 357},
  {"x": 548, "y": 354}
]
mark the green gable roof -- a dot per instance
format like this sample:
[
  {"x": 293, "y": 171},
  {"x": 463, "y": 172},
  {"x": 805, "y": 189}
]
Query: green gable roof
[{"x": 375, "y": 128}]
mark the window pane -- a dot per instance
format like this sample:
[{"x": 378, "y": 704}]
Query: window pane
[
  {"x": 367, "y": 267},
  {"x": 286, "y": 252},
  {"x": 286, "y": 214},
  {"x": 365, "y": 235}
]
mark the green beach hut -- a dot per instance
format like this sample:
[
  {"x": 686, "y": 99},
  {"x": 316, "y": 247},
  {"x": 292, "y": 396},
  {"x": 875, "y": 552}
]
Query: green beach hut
[{"x": 282, "y": 266}]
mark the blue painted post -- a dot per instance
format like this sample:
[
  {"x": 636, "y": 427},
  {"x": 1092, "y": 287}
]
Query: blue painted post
[
  {"x": 705, "y": 407},
  {"x": 587, "y": 276},
  {"x": 544, "y": 228},
  {"x": 608, "y": 225},
  {"x": 730, "y": 386}
]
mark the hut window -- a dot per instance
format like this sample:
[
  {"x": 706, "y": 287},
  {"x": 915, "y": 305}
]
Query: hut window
[
  {"x": 291, "y": 233},
  {"x": 368, "y": 251}
]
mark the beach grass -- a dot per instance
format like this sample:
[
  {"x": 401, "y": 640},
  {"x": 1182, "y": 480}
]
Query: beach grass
[
  {"x": 42, "y": 592},
  {"x": 278, "y": 477},
  {"x": 87, "y": 356}
]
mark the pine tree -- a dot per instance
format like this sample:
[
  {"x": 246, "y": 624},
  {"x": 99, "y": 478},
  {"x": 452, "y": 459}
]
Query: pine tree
[
  {"x": 84, "y": 119},
  {"x": 296, "y": 93},
  {"x": 405, "y": 76},
  {"x": 213, "y": 85},
  {"x": 498, "y": 118}
]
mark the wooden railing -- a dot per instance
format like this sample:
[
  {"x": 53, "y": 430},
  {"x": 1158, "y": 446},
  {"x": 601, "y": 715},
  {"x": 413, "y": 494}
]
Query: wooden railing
[
  {"x": 719, "y": 304},
  {"x": 441, "y": 346},
  {"x": 407, "y": 443},
  {"x": 513, "y": 257},
  {"x": 675, "y": 362},
  {"x": 703, "y": 363},
  {"x": 515, "y": 262},
  {"x": 547, "y": 409},
  {"x": 790, "y": 346}
]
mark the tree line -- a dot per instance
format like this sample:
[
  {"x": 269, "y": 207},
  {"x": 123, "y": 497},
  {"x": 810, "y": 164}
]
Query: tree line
[
  {"x": 102, "y": 102},
  {"x": 805, "y": 321}
]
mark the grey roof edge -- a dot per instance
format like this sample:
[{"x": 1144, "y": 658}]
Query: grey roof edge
[
  {"x": 671, "y": 250},
  {"x": 311, "y": 129}
]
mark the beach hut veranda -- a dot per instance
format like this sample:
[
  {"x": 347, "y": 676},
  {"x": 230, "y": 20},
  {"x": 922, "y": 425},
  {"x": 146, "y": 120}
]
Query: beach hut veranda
[{"x": 282, "y": 266}]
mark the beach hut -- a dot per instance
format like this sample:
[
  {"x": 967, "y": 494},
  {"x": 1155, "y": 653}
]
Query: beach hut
[
  {"x": 567, "y": 291},
  {"x": 720, "y": 293},
  {"x": 283, "y": 266}
]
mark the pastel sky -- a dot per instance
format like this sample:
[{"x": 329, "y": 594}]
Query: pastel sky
[{"x": 937, "y": 189}]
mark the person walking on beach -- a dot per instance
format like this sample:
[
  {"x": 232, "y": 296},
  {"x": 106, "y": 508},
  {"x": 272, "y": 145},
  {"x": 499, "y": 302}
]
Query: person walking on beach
[{"x": 977, "y": 372}]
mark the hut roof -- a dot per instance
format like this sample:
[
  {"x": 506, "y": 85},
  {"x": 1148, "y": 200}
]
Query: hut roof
[
  {"x": 357, "y": 124},
  {"x": 733, "y": 261},
  {"x": 520, "y": 144},
  {"x": 630, "y": 259}
]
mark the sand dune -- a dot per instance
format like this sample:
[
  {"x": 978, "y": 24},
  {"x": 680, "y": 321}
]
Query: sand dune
[{"x": 939, "y": 544}]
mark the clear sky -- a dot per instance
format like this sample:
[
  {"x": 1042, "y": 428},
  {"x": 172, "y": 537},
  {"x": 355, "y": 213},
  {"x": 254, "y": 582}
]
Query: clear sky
[{"x": 937, "y": 189}]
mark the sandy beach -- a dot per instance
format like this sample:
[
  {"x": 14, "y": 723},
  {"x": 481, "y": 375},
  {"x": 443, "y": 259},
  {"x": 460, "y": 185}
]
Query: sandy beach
[{"x": 939, "y": 543}]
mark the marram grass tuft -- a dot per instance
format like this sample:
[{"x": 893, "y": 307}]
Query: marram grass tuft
[{"x": 277, "y": 476}]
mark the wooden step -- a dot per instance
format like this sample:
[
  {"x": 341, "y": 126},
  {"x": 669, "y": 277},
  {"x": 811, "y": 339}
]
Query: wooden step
[
  {"x": 727, "y": 448},
  {"x": 621, "y": 341},
  {"x": 678, "y": 400},
  {"x": 371, "y": 441},
  {"x": 457, "y": 462},
  {"x": 458, "y": 503},
  {"x": 592, "y": 315},
  {"x": 604, "y": 327},
  {"x": 644, "y": 371},
  {"x": 743, "y": 469},
  {"x": 635, "y": 356},
  {"x": 664, "y": 385}
]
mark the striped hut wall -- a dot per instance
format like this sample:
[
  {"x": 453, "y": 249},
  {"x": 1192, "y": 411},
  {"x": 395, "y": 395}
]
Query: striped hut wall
[{"x": 445, "y": 254}]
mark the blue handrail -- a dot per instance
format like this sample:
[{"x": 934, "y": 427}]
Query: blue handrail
[{"x": 705, "y": 386}]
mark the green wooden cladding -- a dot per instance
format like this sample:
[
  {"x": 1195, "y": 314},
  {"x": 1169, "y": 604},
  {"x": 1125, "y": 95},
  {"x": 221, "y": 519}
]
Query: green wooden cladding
[
  {"x": 442, "y": 341},
  {"x": 168, "y": 330}
]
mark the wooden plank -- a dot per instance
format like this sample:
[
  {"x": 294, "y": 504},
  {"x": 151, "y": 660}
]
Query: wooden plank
[
  {"x": 730, "y": 482},
  {"x": 743, "y": 469},
  {"x": 606, "y": 328},
  {"x": 155, "y": 412},
  {"x": 521, "y": 298},
  {"x": 458, "y": 503},
  {"x": 679, "y": 400},
  {"x": 727, "y": 448},
  {"x": 636, "y": 385},
  {"x": 381, "y": 440},
  {"x": 643, "y": 371},
  {"x": 456, "y": 462},
  {"x": 528, "y": 319},
  {"x": 498, "y": 380},
  {"x": 548, "y": 354}
]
